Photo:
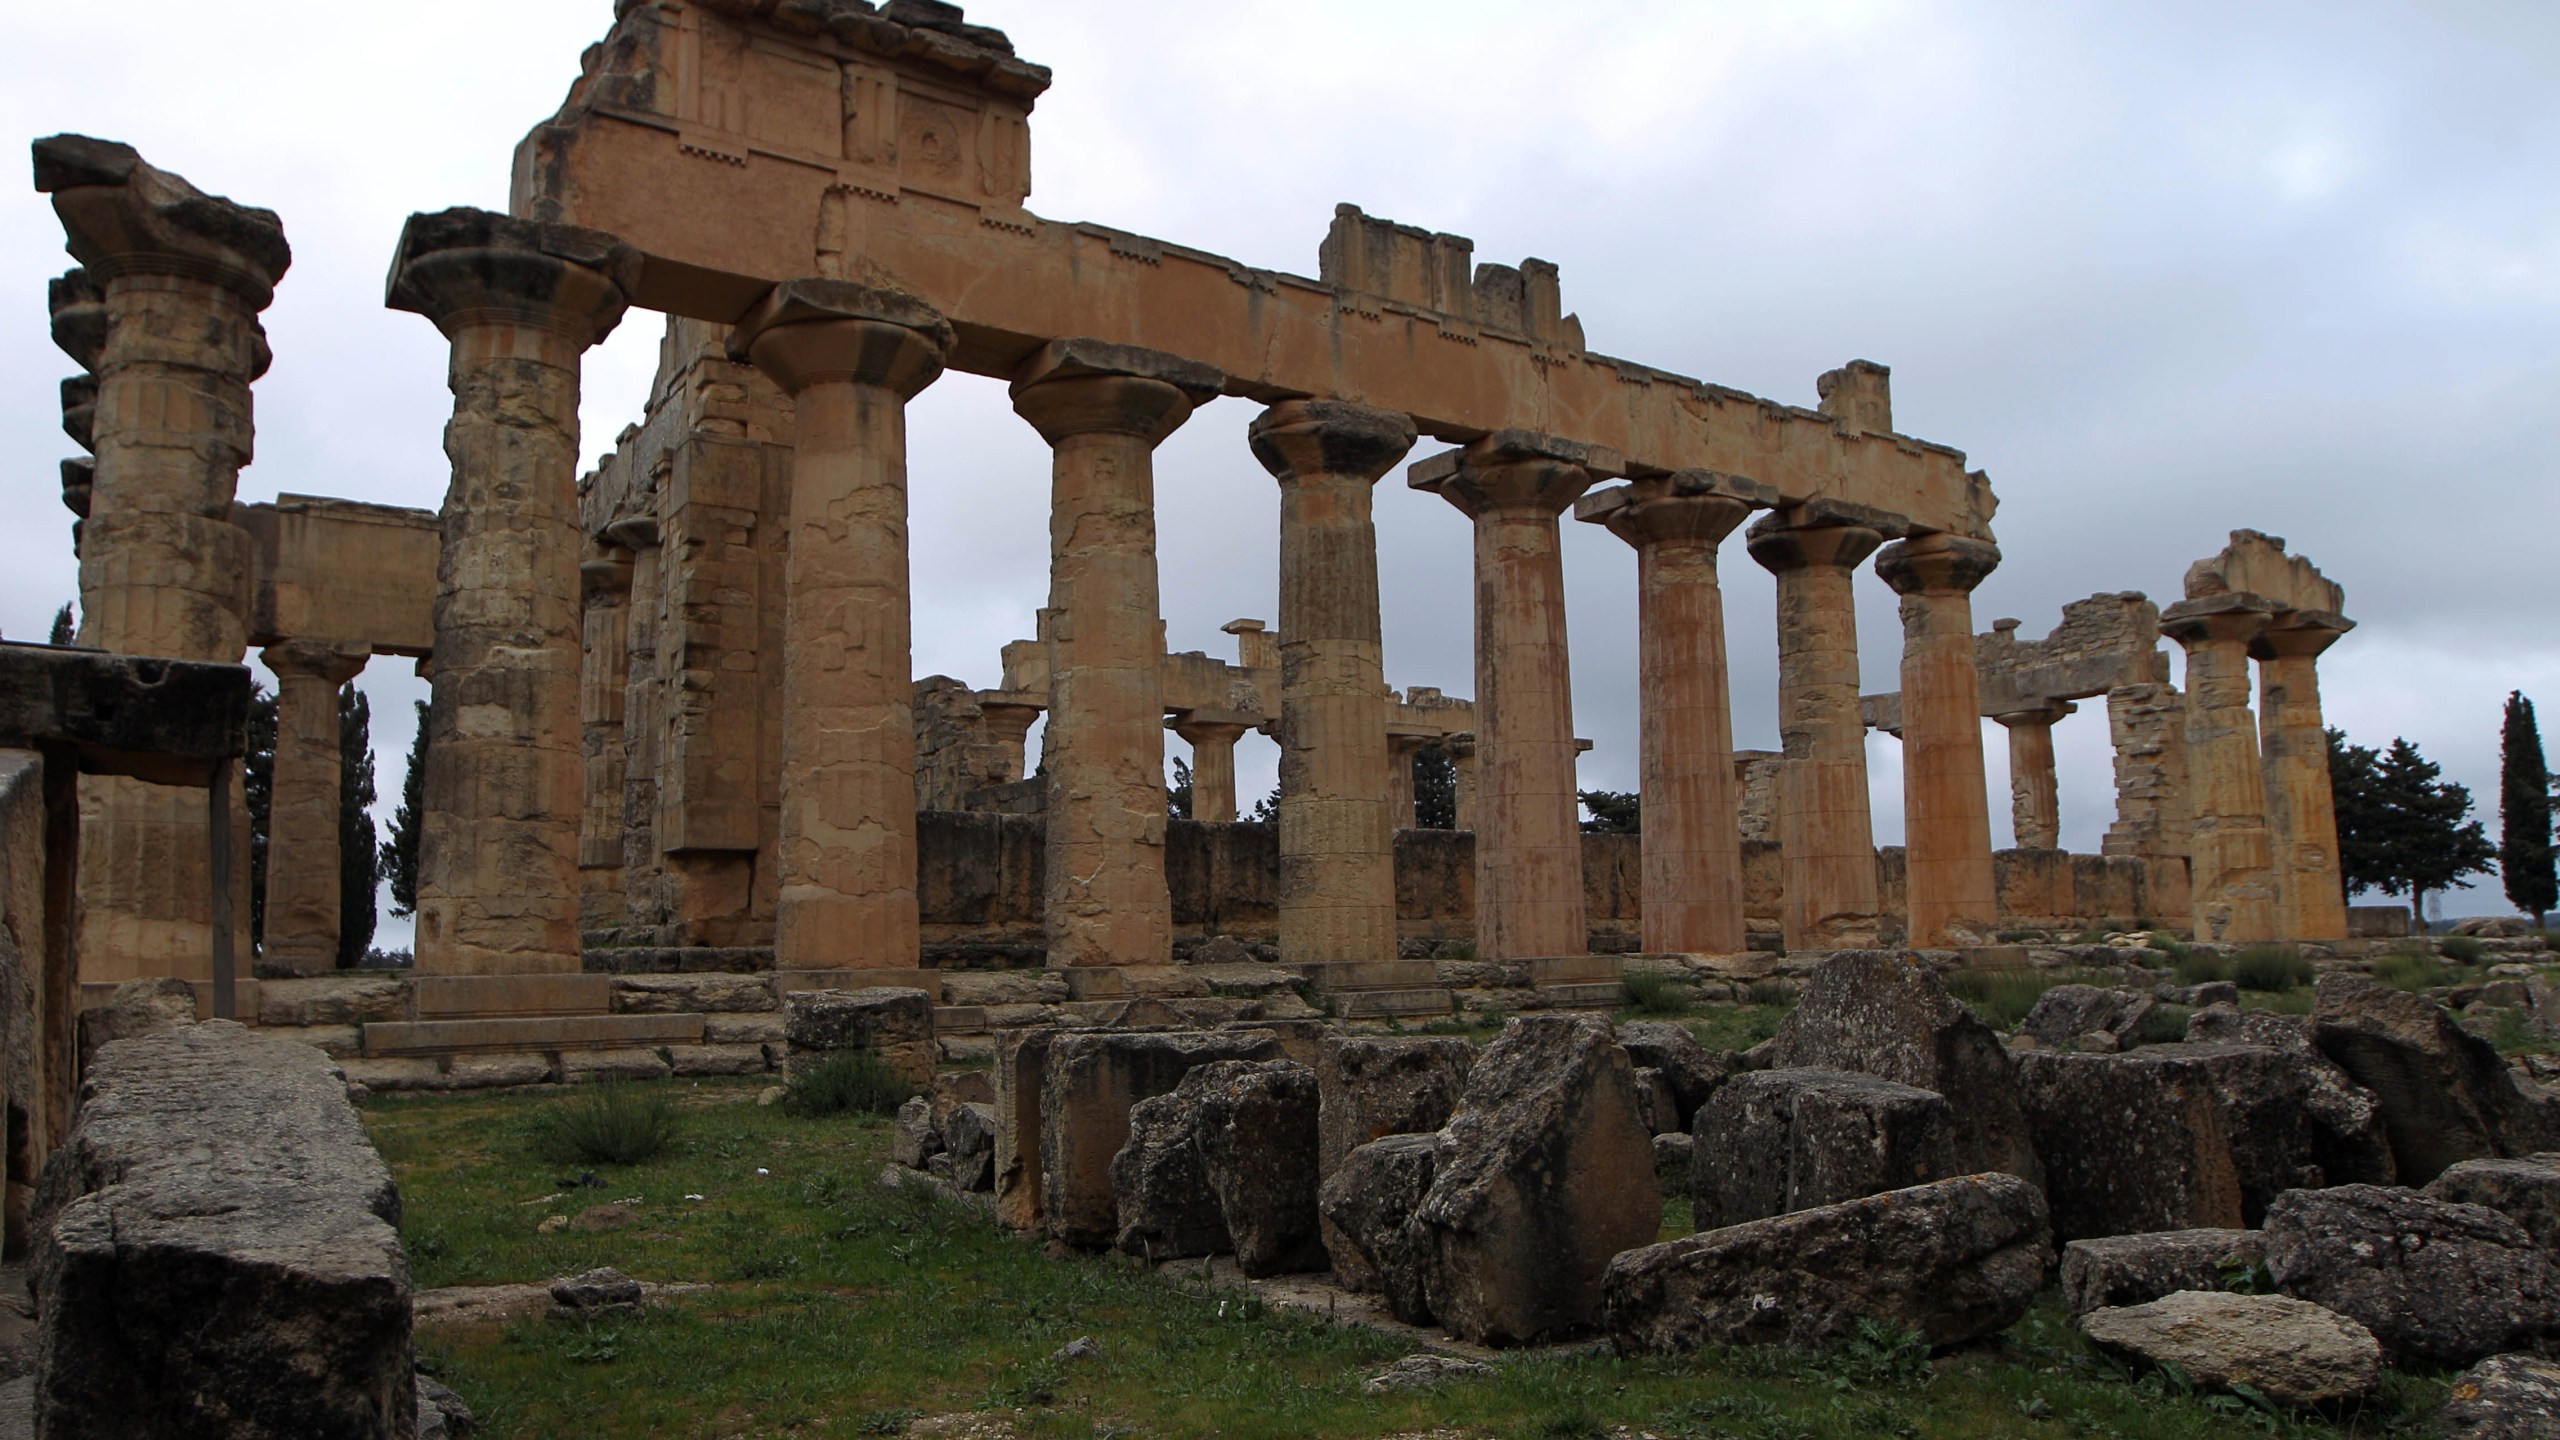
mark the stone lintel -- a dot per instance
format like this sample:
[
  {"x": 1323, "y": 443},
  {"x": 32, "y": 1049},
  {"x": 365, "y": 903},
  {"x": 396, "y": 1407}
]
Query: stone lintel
[
  {"x": 460, "y": 265},
  {"x": 929, "y": 32},
  {"x": 1078, "y": 358},
  {"x": 166, "y": 721},
  {"x": 123, "y": 217},
  {"x": 1859, "y": 395}
]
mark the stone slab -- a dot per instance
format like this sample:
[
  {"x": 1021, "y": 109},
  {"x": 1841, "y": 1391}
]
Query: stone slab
[
  {"x": 439, "y": 997},
  {"x": 793, "y": 981},
  {"x": 520, "y": 1034},
  {"x": 1376, "y": 1004}
]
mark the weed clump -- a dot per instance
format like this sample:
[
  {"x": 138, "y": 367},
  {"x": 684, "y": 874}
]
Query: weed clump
[
  {"x": 2197, "y": 966},
  {"x": 2001, "y": 997},
  {"x": 856, "y": 1082},
  {"x": 2462, "y": 949},
  {"x": 2274, "y": 968},
  {"x": 1654, "y": 993},
  {"x": 612, "y": 1122}
]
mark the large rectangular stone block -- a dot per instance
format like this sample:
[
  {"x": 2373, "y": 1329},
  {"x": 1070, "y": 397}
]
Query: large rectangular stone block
[{"x": 1089, "y": 1082}]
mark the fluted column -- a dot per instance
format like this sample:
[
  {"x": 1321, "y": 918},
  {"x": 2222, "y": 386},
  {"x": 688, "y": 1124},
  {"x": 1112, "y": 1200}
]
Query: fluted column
[
  {"x": 1946, "y": 805},
  {"x": 2302, "y": 814},
  {"x": 521, "y": 303},
  {"x": 2035, "y": 795},
  {"x": 1213, "y": 766},
  {"x": 178, "y": 279},
  {"x": 1104, "y": 409},
  {"x": 1824, "y": 827},
  {"x": 1514, "y": 485},
  {"x": 1692, "y": 853},
  {"x": 302, "y": 920},
  {"x": 603, "y": 693},
  {"x": 2231, "y": 867},
  {"x": 851, "y": 356},
  {"x": 1337, "y": 822}
]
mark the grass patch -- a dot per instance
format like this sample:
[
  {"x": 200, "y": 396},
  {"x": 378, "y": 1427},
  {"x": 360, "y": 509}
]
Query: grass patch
[
  {"x": 855, "y": 1309},
  {"x": 1738, "y": 1027},
  {"x": 849, "y": 1082},
  {"x": 2418, "y": 970},
  {"x": 2194, "y": 966},
  {"x": 2003, "y": 998},
  {"x": 1654, "y": 993},
  {"x": 2461, "y": 949},
  {"x": 2164, "y": 1025},
  {"x": 612, "y": 1122},
  {"x": 2272, "y": 968}
]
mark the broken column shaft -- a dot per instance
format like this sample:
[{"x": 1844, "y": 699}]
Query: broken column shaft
[
  {"x": 2035, "y": 794},
  {"x": 2302, "y": 814},
  {"x": 302, "y": 911}
]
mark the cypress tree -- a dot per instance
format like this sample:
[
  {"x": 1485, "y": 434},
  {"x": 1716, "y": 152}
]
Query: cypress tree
[
  {"x": 2524, "y": 813},
  {"x": 359, "y": 860},
  {"x": 64, "y": 630},
  {"x": 400, "y": 852},
  {"x": 257, "y": 796},
  {"x": 1435, "y": 789}
]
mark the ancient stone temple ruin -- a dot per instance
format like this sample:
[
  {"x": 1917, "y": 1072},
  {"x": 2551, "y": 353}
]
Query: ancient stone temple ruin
[{"x": 675, "y": 732}]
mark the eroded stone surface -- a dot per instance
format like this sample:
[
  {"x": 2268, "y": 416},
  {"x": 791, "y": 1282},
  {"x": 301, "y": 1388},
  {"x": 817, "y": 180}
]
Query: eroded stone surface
[
  {"x": 2436, "y": 1283},
  {"x": 2291, "y": 1351},
  {"x": 2505, "y": 1397},
  {"x": 1772, "y": 1142},
  {"x": 2116, "y": 1270}
]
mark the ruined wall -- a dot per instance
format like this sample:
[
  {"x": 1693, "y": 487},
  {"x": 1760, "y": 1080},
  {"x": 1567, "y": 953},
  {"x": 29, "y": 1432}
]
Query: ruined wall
[{"x": 22, "y": 952}]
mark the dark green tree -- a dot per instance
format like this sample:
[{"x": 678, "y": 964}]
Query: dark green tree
[
  {"x": 2524, "y": 814},
  {"x": 1266, "y": 811},
  {"x": 1613, "y": 812},
  {"x": 359, "y": 859},
  {"x": 65, "y": 630},
  {"x": 2427, "y": 842},
  {"x": 400, "y": 852},
  {"x": 1435, "y": 789},
  {"x": 2354, "y": 789},
  {"x": 258, "y": 797},
  {"x": 1177, "y": 796}
]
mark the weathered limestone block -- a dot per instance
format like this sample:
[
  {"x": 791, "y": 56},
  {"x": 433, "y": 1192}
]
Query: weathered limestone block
[
  {"x": 913, "y": 1137},
  {"x": 2065, "y": 1013},
  {"x": 217, "y": 1252},
  {"x": 2445, "y": 1094},
  {"x": 1953, "y": 1260},
  {"x": 2290, "y": 1351},
  {"x": 333, "y": 1000},
  {"x": 1884, "y": 1014},
  {"x": 577, "y": 1067},
  {"x": 1167, "y": 1210},
  {"x": 2137, "y": 1269},
  {"x": 746, "y": 1059},
  {"x": 2505, "y": 1397},
  {"x": 2526, "y": 1191},
  {"x": 1545, "y": 1172},
  {"x": 1257, "y": 1137},
  {"x": 1772, "y": 1142},
  {"x": 896, "y": 1024},
  {"x": 1021, "y": 1075},
  {"x": 2437, "y": 1284},
  {"x": 693, "y": 994},
  {"x": 1667, "y": 1046},
  {"x": 1375, "y": 1086},
  {"x": 969, "y": 1137},
  {"x": 1369, "y": 1202},
  {"x": 140, "y": 1007},
  {"x": 1090, "y": 1082}
]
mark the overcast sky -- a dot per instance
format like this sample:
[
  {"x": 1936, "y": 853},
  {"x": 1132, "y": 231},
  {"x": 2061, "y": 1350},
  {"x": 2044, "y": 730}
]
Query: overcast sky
[{"x": 2163, "y": 269}]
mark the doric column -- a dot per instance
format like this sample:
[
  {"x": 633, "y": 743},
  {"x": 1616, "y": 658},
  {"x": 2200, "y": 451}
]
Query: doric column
[
  {"x": 1692, "y": 853},
  {"x": 642, "y": 865},
  {"x": 498, "y": 865},
  {"x": 1462, "y": 768},
  {"x": 178, "y": 278},
  {"x": 1008, "y": 724},
  {"x": 2231, "y": 867},
  {"x": 1946, "y": 805},
  {"x": 1514, "y": 485},
  {"x": 851, "y": 356},
  {"x": 1104, "y": 409},
  {"x": 603, "y": 692},
  {"x": 1337, "y": 825},
  {"x": 2035, "y": 797},
  {"x": 2302, "y": 815},
  {"x": 1824, "y": 829},
  {"x": 1213, "y": 765},
  {"x": 302, "y": 919}
]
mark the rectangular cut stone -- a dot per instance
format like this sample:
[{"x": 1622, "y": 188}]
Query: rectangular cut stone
[
  {"x": 529, "y": 1033},
  {"x": 445, "y": 996},
  {"x": 1088, "y": 1084}
]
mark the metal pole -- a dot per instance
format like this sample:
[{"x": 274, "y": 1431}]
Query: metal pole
[{"x": 218, "y": 822}]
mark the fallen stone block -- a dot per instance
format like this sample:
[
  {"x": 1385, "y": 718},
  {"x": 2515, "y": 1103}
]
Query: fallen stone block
[
  {"x": 442, "y": 1415},
  {"x": 1370, "y": 1200},
  {"x": 1090, "y": 1080},
  {"x": 2291, "y": 1351},
  {"x": 2436, "y": 1283},
  {"x": 1545, "y": 1173},
  {"x": 913, "y": 1139},
  {"x": 1022, "y": 1060},
  {"x": 1369, "y": 1087},
  {"x": 1257, "y": 1140},
  {"x": 2444, "y": 1094},
  {"x": 2119, "y": 1270},
  {"x": 893, "y": 1023},
  {"x": 1952, "y": 1261},
  {"x": 1884, "y": 1013},
  {"x": 1686, "y": 1066},
  {"x": 1772, "y": 1142},
  {"x": 1673, "y": 1154},
  {"x": 216, "y": 1251},
  {"x": 2505, "y": 1397},
  {"x": 140, "y": 1007},
  {"x": 2525, "y": 1190},
  {"x": 969, "y": 1137},
  {"x": 2066, "y": 1013},
  {"x": 1423, "y": 1373},
  {"x": 600, "y": 1294},
  {"x": 1166, "y": 1210}
]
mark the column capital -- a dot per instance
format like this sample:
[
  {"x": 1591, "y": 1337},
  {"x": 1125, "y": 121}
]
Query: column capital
[
  {"x": 1938, "y": 564},
  {"x": 2300, "y": 635},
  {"x": 1819, "y": 535},
  {"x": 1298, "y": 440},
  {"x": 2051, "y": 712},
  {"x": 1093, "y": 387},
  {"x": 1687, "y": 507},
  {"x": 465, "y": 267},
  {"x": 334, "y": 661},
  {"x": 607, "y": 578},
  {"x": 1201, "y": 727},
  {"x": 123, "y": 217},
  {"x": 79, "y": 310},
  {"x": 1516, "y": 472},
  {"x": 808, "y": 332},
  {"x": 2227, "y": 617}
]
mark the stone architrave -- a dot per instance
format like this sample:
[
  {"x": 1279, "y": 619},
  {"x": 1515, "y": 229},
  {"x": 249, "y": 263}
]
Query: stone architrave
[
  {"x": 1824, "y": 827},
  {"x": 604, "y": 685},
  {"x": 1692, "y": 853},
  {"x": 179, "y": 279},
  {"x": 851, "y": 355},
  {"x": 2302, "y": 814},
  {"x": 302, "y": 919},
  {"x": 2035, "y": 794},
  {"x": 1213, "y": 765},
  {"x": 1514, "y": 484},
  {"x": 2232, "y": 873},
  {"x": 1954, "y": 894},
  {"x": 521, "y": 303},
  {"x": 1337, "y": 821},
  {"x": 1103, "y": 409}
]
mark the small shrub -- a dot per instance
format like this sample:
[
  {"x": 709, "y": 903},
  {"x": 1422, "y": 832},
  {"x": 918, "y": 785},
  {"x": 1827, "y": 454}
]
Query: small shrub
[
  {"x": 2002, "y": 997},
  {"x": 855, "y": 1082},
  {"x": 613, "y": 1122},
  {"x": 2462, "y": 949},
  {"x": 2271, "y": 967},
  {"x": 2164, "y": 1025},
  {"x": 1654, "y": 993},
  {"x": 2410, "y": 970},
  {"x": 2200, "y": 967},
  {"x": 1771, "y": 992}
]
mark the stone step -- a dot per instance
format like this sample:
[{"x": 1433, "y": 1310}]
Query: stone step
[
  {"x": 960, "y": 1020},
  {"x": 1585, "y": 995},
  {"x": 1576, "y": 970},
  {"x": 1380, "y": 1004},
  {"x": 453, "y": 997},
  {"x": 926, "y": 980},
  {"x": 529, "y": 1034},
  {"x": 1335, "y": 977}
]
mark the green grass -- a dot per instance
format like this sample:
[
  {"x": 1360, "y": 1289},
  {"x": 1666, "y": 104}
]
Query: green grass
[
  {"x": 2199, "y": 967},
  {"x": 1737, "y": 1027},
  {"x": 2003, "y": 998},
  {"x": 2419, "y": 970},
  {"x": 1651, "y": 993},
  {"x": 2271, "y": 968},
  {"x": 2461, "y": 949},
  {"x": 842, "y": 1309},
  {"x": 613, "y": 1122},
  {"x": 849, "y": 1082}
]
